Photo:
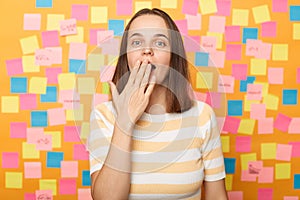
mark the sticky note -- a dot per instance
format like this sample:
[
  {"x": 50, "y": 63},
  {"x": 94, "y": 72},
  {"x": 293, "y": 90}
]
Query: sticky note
[
  {"x": 84, "y": 194},
  {"x": 68, "y": 27},
  {"x": 44, "y": 194},
  {"x": 14, "y": 180},
  {"x": 240, "y": 17},
  {"x": 275, "y": 75},
  {"x": 32, "y": 21},
  {"x": 18, "y": 85},
  {"x": 228, "y": 182},
  {"x": 284, "y": 152},
  {"x": 104, "y": 36},
  {"x": 110, "y": 47},
  {"x": 56, "y": 116},
  {"x": 280, "y": 52},
  {"x": 29, "y": 65},
  {"x": 66, "y": 81},
  {"x": 54, "y": 159},
  {"x": 282, "y": 171},
  {"x": 39, "y": 119},
  {"x": 266, "y": 175},
  {"x": 239, "y": 71},
  {"x": 29, "y": 196},
  {"x": 50, "y": 95},
  {"x": 168, "y": 3},
  {"x": 48, "y": 184},
  {"x": 10, "y": 104},
  {"x": 243, "y": 144},
  {"x": 80, "y": 12},
  {"x": 294, "y": 126},
  {"x": 10, "y": 160},
  {"x": 190, "y": 7},
  {"x": 29, "y": 44},
  {"x": 14, "y": 66},
  {"x": 217, "y": 24},
  {"x": 246, "y": 126},
  {"x": 93, "y": 36},
  {"x": 80, "y": 152},
  {"x": 295, "y": 149},
  {"x": 246, "y": 158},
  {"x": 77, "y": 66},
  {"x": 44, "y": 142},
  {"x": 290, "y": 198},
  {"x": 85, "y": 130},
  {"x": 32, "y": 170},
  {"x": 75, "y": 114},
  {"x": 117, "y": 26},
  {"x": 86, "y": 85},
  {"x": 254, "y": 91},
  {"x": 18, "y": 129},
  {"x": 216, "y": 59},
  {"x": 231, "y": 124},
  {"x": 79, "y": 37},
  {"x": 201, "y": 59},
  {"x": 268, "y": 151},
  {"x": 69, "y": 98},
  {"x": 280, "y": 5},
  {"x": 258, "y": 66},
  {"x": 77, "y": 51},
  {"x": 72, "y": 134},
  {"x": 252, "y": 47},
  {"x": 194, "y": 22},
  {"x": 95, "y": 62},
  {"x": 38, "y": 85},
  {"x": 249, "y": 33},
  {"x": 182, "y": 26},
  {"x": 298, "y": 75},
  {"x": 43, "y": 57},
  {"x": 296, "y": 181},
  {"x": 223, "y": 7},
  {"x": 99, "y": 98},
  {"x": 208, "y": 43},
  {"x": 269, "y": 29},
  {"x": 289, "y": 97},
  {"x": 232, "y": 33},
  {"x": 56, "y": 53},
  {"x": 141, "y": 5},
  {"x": 219, "y": 37},
  {"x": 233, "y": 51},
  {"x": 125, "y": 7},
  {"x": 52, "y": 74},
  {"x": 56, "y": 138},
  {"x": 225, "y": 84},
  {"x": 246, "y": 176},
  {"x": 282, "y": 122},
  {"x": 258, "y": 111},
  {"x": 86, "y": 178},
  {"x": 50, "y": 38},
  {"x": 225, "y": 140},
  {"x": 43, "y": 3},
  {"x": 294, "y": 13},
  {"x": 29, "y": 151},
  {"x": 69, "y": 169},
  {"x": 53, "y": 21},
  {"x": 208, "y": 6},
  {"x": 237, "y": 195},
  {"x": 204, "y": 80},
  {"x": 99, "y": 14},
  {"x": 191, "y": 44},
  {"x": 214, "y": 99},
  {"x": 296, "y": 31},
  {"x": 67, "y": 186},
  {"x": 235, "y": 107},
  {"x": 271, "y": 101},
  {"x": 265, "y": 194},
  {"x": 261, "y": 14},
  {"x": 230, "y": 164}
]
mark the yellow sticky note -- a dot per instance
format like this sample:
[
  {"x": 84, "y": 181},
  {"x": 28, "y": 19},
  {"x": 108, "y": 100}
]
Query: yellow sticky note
[
  {"x": 268, "y": 151},
  {"x": 296, "y": 31},
  {"x": 112, "y": 60},
  {"x": 261, "y": 14},
  {"x": 208, "y": 6},
  {"x": 258, "y": 66},
  {"x": 38, "y": 85},
  {"x": 271, "y": 101},
  {"x": 86, "y": 85},
  {"x": 225, "y": 144},
  {"x": 245, "y": 158},
  {"x": 219, "y": 37},
  {"x": 75, "y": 114},
  {"x": 29, "y": 151},
  {"x": 246, "y": 126},
  {"x": 280, "y": 52},
  {"x": 168, "y": 3},
  {"x": 265, "y": 87},
  {"x": 95, "y": 62},
  {"x": 99, "y": 14},
  {"x": 85, "y": 130},
  {"x": 247, "y": 103},
  {"x": 48, "y": 184},
  {"x": 56, "y": 138},
  {"x": 142, "y": 4},
  {"x": 10, "y": 104},
  {"x": 76, "y": 38},
  {"x": 283, "y": 171},
  {"x": 29, "y": 44},
  {"x": 204, "y": 80},
  {"x": 66, "y": 81},
  {"x": 29, "y": 65},
  {"x": 240, "y": 17},
  {"x": 53, "y": 21},
  {"x": 14, "y": 180},
  {"x": 228, "y": 182}
]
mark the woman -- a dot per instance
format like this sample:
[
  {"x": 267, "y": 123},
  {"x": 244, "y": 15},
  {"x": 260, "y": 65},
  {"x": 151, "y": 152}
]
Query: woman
[{"x": 152, "y": 141}]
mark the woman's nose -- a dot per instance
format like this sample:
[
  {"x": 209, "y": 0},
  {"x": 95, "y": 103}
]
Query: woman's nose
[{"x": 148, "y": 51}]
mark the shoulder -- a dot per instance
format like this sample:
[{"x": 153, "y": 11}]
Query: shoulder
[{"x": 203, "y": 108}]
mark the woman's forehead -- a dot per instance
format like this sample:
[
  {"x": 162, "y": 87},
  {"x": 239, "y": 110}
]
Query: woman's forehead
[{"x": 147, "y": 22}]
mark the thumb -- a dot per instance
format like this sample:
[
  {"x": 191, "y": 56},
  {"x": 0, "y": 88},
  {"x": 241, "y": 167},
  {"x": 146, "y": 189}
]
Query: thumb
[{"x": 114, "y": 90}]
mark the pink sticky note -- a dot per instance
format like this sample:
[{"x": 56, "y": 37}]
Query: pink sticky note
[
  {"x": 208, "y": 43},
  {"x": 32, "y": 21},
  {"x": 43, "y": 57},
  {"x": 44, "y": 142},
  {"x": 243, "y": 144},
  {"x": 50, "y": 38},
  {"x": 69, "y": 98},
  {"x": 217, "y": 24},
  {"x": 80, "y": 152},
  {"x": 56, "y": 54},
  {"x": 10, "y": 160},
  {"x": 56, "y": 116},
  {"x": 269, "y": 29},
  {"x": 246, "y": 176},
  {"x": 264, "y": 51},
  {"x": 33, "y": 134},
  {"x": 191, "y": 43},
  {"x": 255, "y": 167},
  {"x": 104, "y": 36},
  {"x": 72, "y": 134},
  {"x": 294, "y": 126},
  {"x": 216, "y": 59},
  {"x": 254, "y": 91},
  {"x": 266, "y": 175},
  {"x": 223, "y": 7},
  {"x": 32, "y": 169},
  {"x": 78, "y": 51},
  {"x": 282, "y": 122},
  {"x": 231, "y": 124},
  {"x": 233, "y": 52},
  {"x": 28, "y": 101},
  {"x": 14, "y": 67},
  {"x": 93, "y": 35},
  {"x": 265, "y": 126},
  {"x": 252, "y": 47},
  {"x": 110, "y": 47},
  {"x": 258, "y": 111},
  {"x": 200, "y": 96},
  {"x": 190, "y": 7},
  {"x": 80, "y": 12},
  {"x": 99, "y": 98},
  {"x": 225, "y": 84},
  {"x": 84, "y": 194},
  {"x": 275, "y": 75},
  {"x": 295, "y": 149},
  {"x": 235, "y": 195},
  {"x": 194, "y": 22},
  {"x": 51, "y": 74},
  {"x": 265, "y": 194},
  {"x": 232, "y": 34},
  {"x": 298, "y": 75},
  {"x": 29, "y": 196},
  {"x": 107, "y": 73},
  {"x": 68, "y": 27},
  {"x": 67, "y": 186},
  {"x": 44, "y": 194},
  {"x": 284, "y": 152},
  {"x": 18, "y": 129},
  {"x": 290, "y": 198},
  {"x": 214, "y": 99},
  {"x": 124, "y": 7},
  {"x": 69, "y": 169},
  {"x": 240, "y": 71},
  {"x": 182, "y": 26},
  {"x": 280, "y": 5}
]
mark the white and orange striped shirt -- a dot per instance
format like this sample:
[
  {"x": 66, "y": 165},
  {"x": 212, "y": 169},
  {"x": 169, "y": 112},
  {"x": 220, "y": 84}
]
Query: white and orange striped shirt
[{"x": 172, "y": 153}]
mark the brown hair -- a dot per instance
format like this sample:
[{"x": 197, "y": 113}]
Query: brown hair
[{"x": 178, "y": 93}]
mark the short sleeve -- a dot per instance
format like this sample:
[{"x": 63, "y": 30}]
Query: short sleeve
[
  {"x": 101, "y": 130},
  {"x": 214, "y": 168}
]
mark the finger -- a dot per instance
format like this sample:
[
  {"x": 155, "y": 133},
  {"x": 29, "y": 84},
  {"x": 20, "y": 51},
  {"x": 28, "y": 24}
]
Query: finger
[
  {"x": 134, "y": 71},
  {"x": 114, "y": 90},
  {"x": 150, "y": 87},
  {"x": 145, "y": 79},
  {"x": 141, "y": 72}
]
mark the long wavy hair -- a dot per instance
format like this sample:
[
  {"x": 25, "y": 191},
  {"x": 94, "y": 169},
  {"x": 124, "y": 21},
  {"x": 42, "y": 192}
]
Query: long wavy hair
[{"x": 178, "y": 86}]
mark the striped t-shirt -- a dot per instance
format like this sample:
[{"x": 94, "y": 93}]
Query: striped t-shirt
[{"x": 172, "y": 153}]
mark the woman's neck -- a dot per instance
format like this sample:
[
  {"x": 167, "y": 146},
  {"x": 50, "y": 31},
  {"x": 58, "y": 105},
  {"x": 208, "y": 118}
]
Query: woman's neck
[{"x": 158, "y": 101}]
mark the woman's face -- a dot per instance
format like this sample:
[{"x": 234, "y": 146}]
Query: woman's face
[{"x": 148, "y": 38}]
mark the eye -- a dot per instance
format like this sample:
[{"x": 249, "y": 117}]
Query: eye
[
  {"x": 160, "y": 43},
  {"x": 136, "y": 43}
]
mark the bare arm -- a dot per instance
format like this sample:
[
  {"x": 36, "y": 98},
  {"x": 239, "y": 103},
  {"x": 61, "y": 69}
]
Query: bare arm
[{"x": 215, "y": 190}]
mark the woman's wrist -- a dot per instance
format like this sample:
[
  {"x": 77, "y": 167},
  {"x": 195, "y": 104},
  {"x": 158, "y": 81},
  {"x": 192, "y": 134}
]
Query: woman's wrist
[{"x": 125, "y": 125}]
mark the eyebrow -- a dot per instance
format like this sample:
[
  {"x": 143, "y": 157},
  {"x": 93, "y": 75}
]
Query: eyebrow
[{"x": 156, "y": 35}]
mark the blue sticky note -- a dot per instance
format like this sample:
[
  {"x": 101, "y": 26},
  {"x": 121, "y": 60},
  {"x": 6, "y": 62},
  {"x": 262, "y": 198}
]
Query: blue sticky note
[
  {"x": 296, "y": 181},
  {"x": 201, "y": 59},
  {"x": 249, "y": 33},
  {"x": 235, "y": 107},
  {"x": 43, "y": 3},
  {"x": 244, "y": 83},
  {"x": 18, "y": 85},
  {"x": 86, "y": 178},
  {"x": 289, "y": 97},
  {"x": 51, "y": 94},
  {"x": 229, "y": 165},
  {"x": 117, "y": 26},
  {"x": 39, "y": 118},
  {"x": 54, "y": 159},
  {"x": 77, "y": 66},
  {"x": 295, "y": 13}
]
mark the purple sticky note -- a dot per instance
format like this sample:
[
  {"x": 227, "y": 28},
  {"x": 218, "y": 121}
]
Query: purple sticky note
[
  {"x": 182, "y": 26},
  {"x": 231, "y": 124},
  {"x": 80, "y": 12},
  {"x": 190, "y": 7},
  {"x": 51, "y": 74},
  {"x": 124, "y": 7},
  {"x": 32, "y": 21},
  {"x": 72, "y": 134},
  {"x": 232, "y": 34},
  {"x": 10, "y": 160},
  {"x": 284, "y": 152},
  {"x": 80, "y": 152},
  {"x": 240, "y": 71},
  {"x": 14, "y": 66},
  {"x": 18, "y": 129},
  {"x": 295, "y": 149},
  {"x": 269, "y": 29},
  {"x": 223, "y": 7},
  {"x": 282, "y": 122},
  {"x": 235, "y": 195},
  {"x": 280, "y": 5},
  {"x": 243, "y": 144},
  {"x": 265, "y": 194},
  {"x": 28, "y": 101},
  {"x": 78, "y": 51},
  {"x": 67, "y": 186},
  {"x": 93, "y": 35},
  {"x": 233, "y": 52}
]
